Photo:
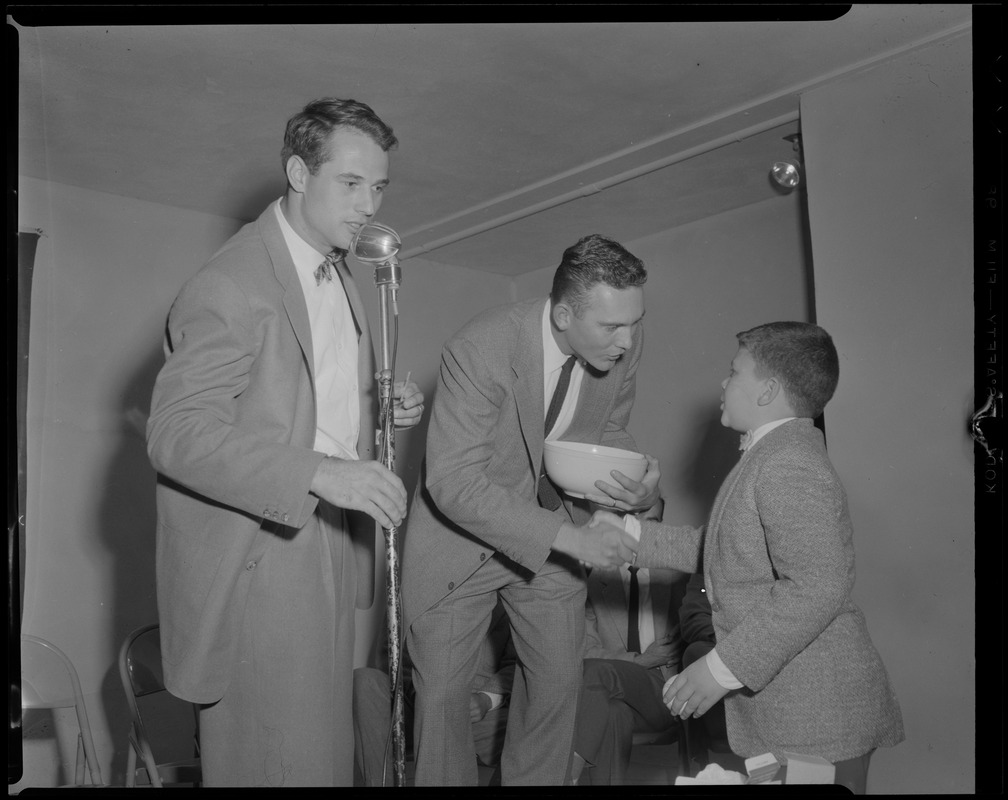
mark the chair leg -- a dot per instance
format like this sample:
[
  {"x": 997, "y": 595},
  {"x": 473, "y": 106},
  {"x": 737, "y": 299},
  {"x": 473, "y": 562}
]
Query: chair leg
[
  {"x": 131, "y": 767},
  {"x": 684, "y": 751},
  {"x": 80, "y": 762}
]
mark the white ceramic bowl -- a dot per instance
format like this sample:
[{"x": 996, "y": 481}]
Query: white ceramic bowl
[{"x": 575, "y": 466}]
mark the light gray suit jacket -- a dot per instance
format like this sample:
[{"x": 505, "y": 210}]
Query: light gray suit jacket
[
  {"x": 231, "y": 435},
  {"x": 778, "y": 559},
  {"x": 477, "y": 493}
]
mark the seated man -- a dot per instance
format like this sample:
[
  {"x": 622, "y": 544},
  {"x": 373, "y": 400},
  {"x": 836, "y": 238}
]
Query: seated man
[
  {"x": 632, "y": 644},
  {"x": 372, "y": 708},
  {"x": 707, "y": 734}
]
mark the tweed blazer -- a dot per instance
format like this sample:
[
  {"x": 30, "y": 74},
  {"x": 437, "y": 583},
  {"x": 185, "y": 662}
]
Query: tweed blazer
[
  {"x": 606, "y": 620},
  {"x": 477, "y": 490},
  {"x": 231, "y": 435},
  {"x": 778, "y": 559}
]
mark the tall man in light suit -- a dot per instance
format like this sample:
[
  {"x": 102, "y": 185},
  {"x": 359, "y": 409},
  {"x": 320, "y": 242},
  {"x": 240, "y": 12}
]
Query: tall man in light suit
[
  {"x": 483, "y": 524},
  {"x": 262, "y": 432}
]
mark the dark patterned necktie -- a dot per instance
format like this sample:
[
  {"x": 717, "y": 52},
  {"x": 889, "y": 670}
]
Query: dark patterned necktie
[
  {"x": 548, "y": 496},
  {"x": 326, "y": 268},
  {"x": 633, "y": 613}
]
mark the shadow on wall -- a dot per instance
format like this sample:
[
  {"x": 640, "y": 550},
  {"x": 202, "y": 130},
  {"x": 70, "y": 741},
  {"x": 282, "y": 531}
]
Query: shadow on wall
[
  {"x": 715, "y": 452},
  {"x": 129, "y": 517}
]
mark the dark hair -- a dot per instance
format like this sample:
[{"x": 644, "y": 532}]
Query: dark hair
[
  {"x": 594, "y": 259},
  {"x": 802, "y": 356},
  {"x": 308, "y": 131}
]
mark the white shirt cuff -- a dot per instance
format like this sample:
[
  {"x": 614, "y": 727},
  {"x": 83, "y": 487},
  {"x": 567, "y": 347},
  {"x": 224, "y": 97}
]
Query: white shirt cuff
[
  {"x": 721, "y": 673},
  {"x": 632, "y": 526}
]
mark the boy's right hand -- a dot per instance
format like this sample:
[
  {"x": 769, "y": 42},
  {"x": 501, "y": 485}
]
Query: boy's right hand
[{"x": 693, "y": 691}]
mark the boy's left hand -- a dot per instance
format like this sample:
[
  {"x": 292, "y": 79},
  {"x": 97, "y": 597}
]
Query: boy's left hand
[
  {"x": 630, "y": 495},
  {"x": 693, "y": 691}
]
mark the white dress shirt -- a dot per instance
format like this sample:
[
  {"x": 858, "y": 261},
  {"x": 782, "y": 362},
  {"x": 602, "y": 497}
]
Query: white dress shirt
[
  {"x": 334, "y": 350},
  {"x": 553, "y": 361},
  {"x": 763, "y": 430}
]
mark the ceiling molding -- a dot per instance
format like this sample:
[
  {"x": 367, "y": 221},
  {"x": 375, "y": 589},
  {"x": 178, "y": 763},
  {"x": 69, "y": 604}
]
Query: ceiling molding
[{"x": 648, "y": 156}]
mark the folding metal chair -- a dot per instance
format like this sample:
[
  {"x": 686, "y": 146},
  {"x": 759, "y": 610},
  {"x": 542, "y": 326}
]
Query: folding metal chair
[
  {"x": 47, "y": 675},
  {"x": 140, "y": 671}
]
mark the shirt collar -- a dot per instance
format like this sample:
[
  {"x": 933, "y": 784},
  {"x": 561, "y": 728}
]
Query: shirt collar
[
  {"x": 306, "y": 258},
  {"x": 763, "y": 430}
]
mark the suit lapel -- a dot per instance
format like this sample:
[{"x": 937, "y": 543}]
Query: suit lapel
[
  {"x": 592, "y": 403},
  {"x": 528, "y": 386},
  {"x": 293, "y": 297},
  {"x": 353, "y": 297},
  {"x": 717, "y": 510}
]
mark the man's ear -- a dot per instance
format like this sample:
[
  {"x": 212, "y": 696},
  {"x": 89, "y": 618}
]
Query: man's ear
[
  {"x": 562, "y": 314},
  {"x": 771, "y": 388},
  {"x": 297, "y": 173}
]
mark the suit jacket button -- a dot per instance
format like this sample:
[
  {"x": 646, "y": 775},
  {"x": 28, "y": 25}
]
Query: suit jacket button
[
  {"x": 284, "y": 517},
  {"x": 250, "y": 566},
  {"x": 266, "y": 513},
  {"x": 451, "y": 585},
  {"x": 482, "y": 556},
  {"x": 715, "y": 606}
]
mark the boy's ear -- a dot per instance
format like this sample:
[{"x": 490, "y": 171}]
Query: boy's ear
[{"x": 771, "y": 388}]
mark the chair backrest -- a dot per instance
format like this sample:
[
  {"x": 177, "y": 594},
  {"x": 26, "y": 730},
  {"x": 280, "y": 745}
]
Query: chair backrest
[
  {"x": 141, "y": 660},
  {"x": 50, "y": 680},
  {"x": 141, "y": 674}
]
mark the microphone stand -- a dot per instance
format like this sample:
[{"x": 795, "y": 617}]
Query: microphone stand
[{"x": 378, "y": 244}]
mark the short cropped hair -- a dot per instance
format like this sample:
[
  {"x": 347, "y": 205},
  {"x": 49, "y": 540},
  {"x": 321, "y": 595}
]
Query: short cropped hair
[
  {"x": 802, "y": 356},
  {"x": 594, "y": 259},
  {"x": 308, "y": 131}
]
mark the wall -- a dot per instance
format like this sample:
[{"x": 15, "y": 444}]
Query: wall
[
  {"x": 889, "y": 164},
  {"x": 706, "y": 282},
  {"x": 106, "y": 272}
]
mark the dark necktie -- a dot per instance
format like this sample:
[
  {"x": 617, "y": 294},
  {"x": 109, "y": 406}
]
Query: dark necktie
[
  {"x": 548, "y": 496},
  {"x": 326, "y": 268},
  {"x": 633, "y": 613}
]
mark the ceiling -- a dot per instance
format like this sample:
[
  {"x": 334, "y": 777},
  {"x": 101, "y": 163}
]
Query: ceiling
[{"x": 516, "y": 138}]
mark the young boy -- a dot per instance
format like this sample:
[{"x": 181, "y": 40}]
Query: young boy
[{"x": 793, "y": 659}]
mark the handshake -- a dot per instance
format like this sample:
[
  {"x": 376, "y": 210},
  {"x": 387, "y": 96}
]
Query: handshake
[{"x": 604, "y": 540}]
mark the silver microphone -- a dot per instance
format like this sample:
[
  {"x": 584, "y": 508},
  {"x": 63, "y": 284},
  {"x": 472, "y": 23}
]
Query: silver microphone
[
  {"x": 375, "y": 244},
  {"x": 378, "y": 245}
]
